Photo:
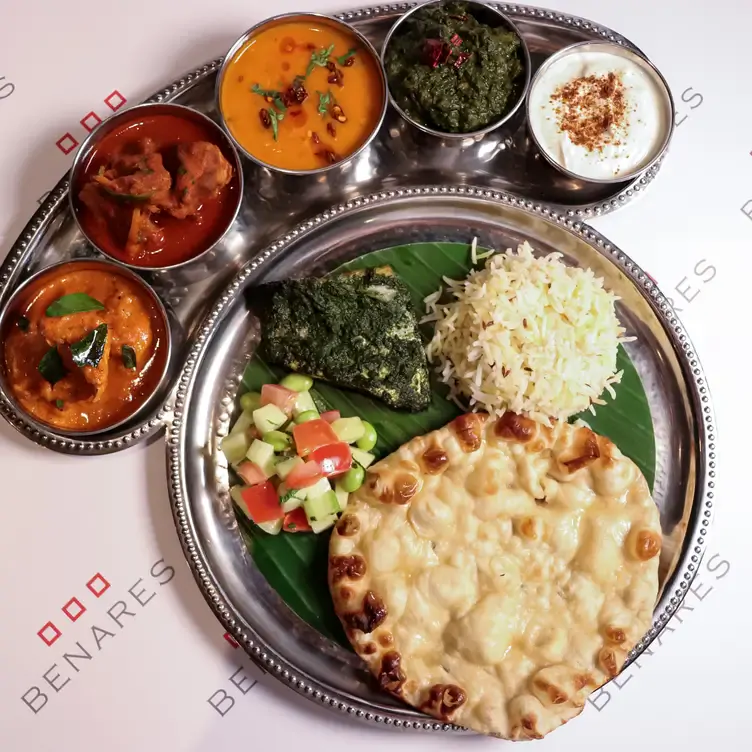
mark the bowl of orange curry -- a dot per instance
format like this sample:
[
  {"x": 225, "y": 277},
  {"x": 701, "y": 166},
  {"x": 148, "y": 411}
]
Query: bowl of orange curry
[
  {"x": 85, "y": 347},
  {"x": 301, "y": 93},
  {"x": 156, "y": 186}
]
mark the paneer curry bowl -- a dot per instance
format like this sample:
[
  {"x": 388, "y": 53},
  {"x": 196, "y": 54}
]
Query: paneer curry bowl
[
  {"x": 85, "y": 346},
  {"x": 156, "y": 186}
]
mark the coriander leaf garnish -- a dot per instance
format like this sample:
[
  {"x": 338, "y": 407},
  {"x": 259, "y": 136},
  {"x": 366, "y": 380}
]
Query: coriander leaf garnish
[
  {"x": 129, "y": 356},
  {"x": 325, "y": 99},
  {"x": 271, "y": 95},
  {"x": 23, "y": 323},
  {"x": 292, "y": 527},
  {"x": 51, "y": 366},
  {"x": 59, "y": 404},
  {"x": 88, "y": 351},
  {"x": 275, "y": 117},
  {"x": 319, "y": 58},
  {"x": 76, "y": 302},
  {"x": 286, "y": 497},
  {"x": 342, "y": 59}
]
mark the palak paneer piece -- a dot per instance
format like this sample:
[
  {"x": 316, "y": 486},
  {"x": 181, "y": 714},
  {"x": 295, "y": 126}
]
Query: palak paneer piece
[{"x": 357, "y": 330}]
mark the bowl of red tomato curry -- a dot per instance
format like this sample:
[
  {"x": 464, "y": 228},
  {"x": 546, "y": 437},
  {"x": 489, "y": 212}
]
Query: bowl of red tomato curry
[{"x": 156, "y": 186}]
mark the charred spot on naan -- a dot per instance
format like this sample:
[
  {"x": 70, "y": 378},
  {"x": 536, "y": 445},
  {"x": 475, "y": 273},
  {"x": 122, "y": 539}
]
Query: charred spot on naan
[
  {"x": 372, "y": 613},
  {"x": 468, "y": 430},
  {"x": 443, "y": 701},
  {"x": 347, "y": 567}
]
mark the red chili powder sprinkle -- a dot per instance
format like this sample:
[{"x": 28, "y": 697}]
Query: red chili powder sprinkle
[{"x": 592, "y": 110}]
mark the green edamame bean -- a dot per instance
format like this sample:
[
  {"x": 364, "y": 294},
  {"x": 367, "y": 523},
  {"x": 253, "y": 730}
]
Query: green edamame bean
[
  {"x": 306, "y": 416},
  {"x": 353, "y": 479},
  {"x": 368, "y": 440},
  {"x": 250, "y": 401},
  {"x": 298, "y": 382},
  {"x": 280, "y": 441}
]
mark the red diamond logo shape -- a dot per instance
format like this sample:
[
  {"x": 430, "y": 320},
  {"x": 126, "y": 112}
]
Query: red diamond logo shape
[
  {"x": 49, "y": 633},
  {"x": 74, "y": 609},
  {"x": 231, "y": 640},
  {"x": 66, "y": 144},
  {"x": 91, "y": 121},
  {"x": 115, "y": 100},
  {"x": 98, "y": 585}
]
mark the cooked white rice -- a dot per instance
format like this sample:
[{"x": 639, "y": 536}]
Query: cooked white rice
[{"x": 526, "y": 334}]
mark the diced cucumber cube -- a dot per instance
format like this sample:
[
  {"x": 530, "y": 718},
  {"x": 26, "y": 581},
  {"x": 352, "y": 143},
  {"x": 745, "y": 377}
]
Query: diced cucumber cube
[
  {"x": 342, "y": 496},
  {"x": 262, "y": 454},
  {"x": 273, "y": 528},
  {"x": 321, "y": 507},
  {"x": 291, "y": 498},
  {"x": 319, "y": 488},
  {"x": 348, "y": 430},
  {"x": 365, "y": 459},
  {"x": 320, "y": 525},
  {"x": 243, "y": 423},
  {"x": 234, "y": 447},
  {"x": 303, "y": 404},
  {"x": 268, "y": 418},
  {"x": 285, "y": 467}
]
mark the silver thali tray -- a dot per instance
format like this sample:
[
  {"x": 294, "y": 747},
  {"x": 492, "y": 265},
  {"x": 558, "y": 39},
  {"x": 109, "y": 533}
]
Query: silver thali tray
[
  {"x": 505, "y": 160},
  {"x": 251, "y": 611},
  {"x": 499, "y": 190}
]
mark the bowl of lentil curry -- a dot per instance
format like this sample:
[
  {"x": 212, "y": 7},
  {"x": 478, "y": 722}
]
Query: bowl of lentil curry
[
  {"x": 456, "y": 69},
  {"x": 301, "y": 92}
]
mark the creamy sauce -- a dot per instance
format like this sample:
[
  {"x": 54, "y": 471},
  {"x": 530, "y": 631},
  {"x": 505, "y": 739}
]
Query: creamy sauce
[{"x": 630, "y": 145}]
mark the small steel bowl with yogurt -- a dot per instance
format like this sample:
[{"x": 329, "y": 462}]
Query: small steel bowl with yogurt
[{"x": 600, "y": 112}]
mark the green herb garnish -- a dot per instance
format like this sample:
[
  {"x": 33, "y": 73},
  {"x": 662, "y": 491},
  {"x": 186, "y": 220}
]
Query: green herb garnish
[
  {"x": 325, "y": 100},
  {"x": 88, "y": 351},
  {"x": 319, "y": 58},
  {"x": 342, "y": 59},
  {"x": 292, "y": 527},
  {"x": 182, "y": 170},
  {"x": 129, "y": 356},
  {"x": 127, "y": 196},
  {"x": 23, "y": 323},
  {"x": 59, "y": 404},
  {"x": 76, "y": 302},
  {"x": 51, "y": 366},
  {"x": 275, "y": 96},
  {"x": 275, "y": 117},
  {"x": 287, "y": 496}
]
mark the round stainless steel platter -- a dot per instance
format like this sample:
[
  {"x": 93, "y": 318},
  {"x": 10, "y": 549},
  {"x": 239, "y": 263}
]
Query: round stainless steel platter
[{"x": 251, "y": 611}]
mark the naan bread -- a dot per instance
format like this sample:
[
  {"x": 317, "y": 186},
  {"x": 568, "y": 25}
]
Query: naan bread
[{"x": 493, "y": 573}]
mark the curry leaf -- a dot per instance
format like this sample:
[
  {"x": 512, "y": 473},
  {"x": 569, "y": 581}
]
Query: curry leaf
[
  {"x": 51, "y": 366},
  {"x": 88, "y": 350},
  {"x": 275, "y": 118},
  {"x": 271, "y": 95},
  {"x": 75, "y": 302},
  {"x": 319, "y": 58},
  {"x": 59, "y": 404},
  {"x": 129, "y": 356}
]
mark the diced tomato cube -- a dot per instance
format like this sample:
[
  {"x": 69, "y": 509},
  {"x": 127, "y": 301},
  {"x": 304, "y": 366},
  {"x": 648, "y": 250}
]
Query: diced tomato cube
[
  {"x": 262, "y": 502},
  {"x": 304, "y": 475},
  {"x": 333, "y": 459},
  {"x": 313, "y": 434},
  {"x": 251, "y": 473},
  {"x": 296, "y": 521},
  {"x": 330, "y": 416},
  {"x": 280, "y": 396}
]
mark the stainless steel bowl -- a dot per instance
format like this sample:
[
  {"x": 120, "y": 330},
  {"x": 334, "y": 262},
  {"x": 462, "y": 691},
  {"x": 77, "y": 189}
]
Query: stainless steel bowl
[
  {"x": 151, "y": 403},
  {"x": 619, "y": 51},
  {"x": 485, "y": 14},
  {"x": 319, "y": 19},
  {"x": 132, "y": 114}
]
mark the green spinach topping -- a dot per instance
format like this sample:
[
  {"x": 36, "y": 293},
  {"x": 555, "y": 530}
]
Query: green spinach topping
[
  {"x": 450, "y": 72},
  {"x": 76, "y": 302},
  {"x": 88, "y": 351}
]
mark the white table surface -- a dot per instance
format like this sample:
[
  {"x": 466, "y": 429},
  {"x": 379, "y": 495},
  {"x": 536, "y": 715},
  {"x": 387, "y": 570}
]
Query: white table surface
[{"x": 63, "y": 521}]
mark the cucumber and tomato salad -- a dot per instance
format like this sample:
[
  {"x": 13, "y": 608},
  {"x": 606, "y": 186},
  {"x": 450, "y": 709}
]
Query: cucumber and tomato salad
[{"x": 298, "y": 466}]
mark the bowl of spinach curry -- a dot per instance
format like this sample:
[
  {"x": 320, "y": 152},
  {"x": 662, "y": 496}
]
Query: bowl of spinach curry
[{"x": 456, "y": 68}]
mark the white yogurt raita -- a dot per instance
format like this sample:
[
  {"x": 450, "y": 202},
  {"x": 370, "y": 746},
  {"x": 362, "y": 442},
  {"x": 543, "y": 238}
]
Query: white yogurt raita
[{"x": 628, "y": 144}]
